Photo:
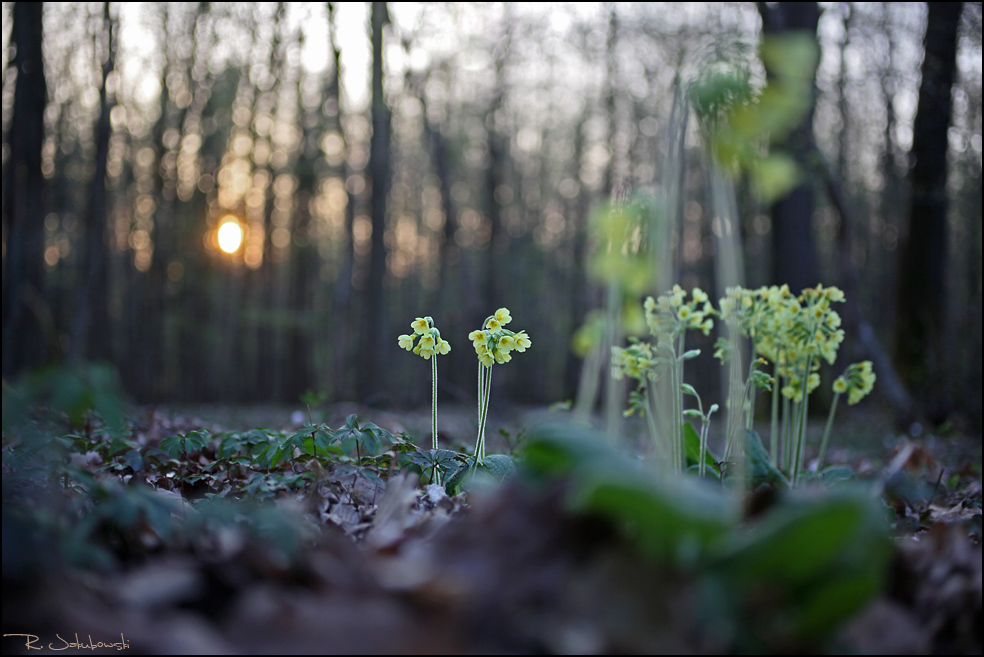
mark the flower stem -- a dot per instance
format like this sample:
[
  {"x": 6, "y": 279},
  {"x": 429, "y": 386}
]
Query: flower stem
[
  {"x": 774, "y": 428},
  {"x": 434, "y": 400},
  {"x": 653, "y": 433},
  {"x": 801, "y": 428},
  {"x": 484, "y": 388},
  {"x": 750, "y": 404},
  {"x": 704, "y": 425},
  {"x": 826, "y": 433}
]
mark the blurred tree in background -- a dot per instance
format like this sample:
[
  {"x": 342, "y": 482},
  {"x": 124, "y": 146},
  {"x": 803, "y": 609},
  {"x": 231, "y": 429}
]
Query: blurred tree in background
[{"x": 382, "y": 163}]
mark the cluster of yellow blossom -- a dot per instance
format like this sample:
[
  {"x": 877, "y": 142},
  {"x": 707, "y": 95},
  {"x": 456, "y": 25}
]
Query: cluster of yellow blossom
[
  {"x": 667, "y": 317},
  {"x": 857, "y": 381},
  {"x": 635, "y": 361},
  {"x": 493, "y": 342},
  {"x": 671, "y": 313},
  {"x": 430, "y": 343},
  {"x": 788, "y": 330}
]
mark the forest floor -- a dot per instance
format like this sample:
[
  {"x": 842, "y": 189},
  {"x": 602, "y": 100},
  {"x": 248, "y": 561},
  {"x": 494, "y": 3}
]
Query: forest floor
[{"x": 362, "y": 556}]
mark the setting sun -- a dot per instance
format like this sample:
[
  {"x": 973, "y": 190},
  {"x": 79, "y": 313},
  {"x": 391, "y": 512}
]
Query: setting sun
[{"x": 230, "y": 236}]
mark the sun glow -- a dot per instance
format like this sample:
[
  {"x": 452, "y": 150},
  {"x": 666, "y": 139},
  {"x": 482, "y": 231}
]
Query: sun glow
[{"x": 230, "y": 236}]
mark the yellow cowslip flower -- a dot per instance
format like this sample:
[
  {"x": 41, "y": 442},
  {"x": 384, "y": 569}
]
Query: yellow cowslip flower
[
  {"x": 840, "y": 385},
  {"x": 699, "y": 295},
  {"x": 427, "y": 342},
  {"x": 502, "y": 316},
  {"x": 406, "y": 342},
  {"x": 684, "y": 313},
  {"x": 707, "y": 326},
  {"x": 502, "y": 357},
  {"x": 443, "y": 347},
  {"x": 477, "y": 337},
  {"x": 507, "y": 343},
  {"x": 486, "y": 359},
  {"x": 426, "y": 353},
  {"x": 420, "y": 325},
  {"x": 522, "y": 341},
  {"x": 492, "y": 324}
]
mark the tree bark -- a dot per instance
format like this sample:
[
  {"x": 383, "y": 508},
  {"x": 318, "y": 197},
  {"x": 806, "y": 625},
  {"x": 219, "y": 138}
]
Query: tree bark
[
  {"x": 24, "y": 192},
  {"x": 921, "y": 296},
  {"x": 794, "y": 257},
  {"x": 90, "y": 326},
  {"x": 495, "y": 173},
  {"x": 379, "y": 174}
]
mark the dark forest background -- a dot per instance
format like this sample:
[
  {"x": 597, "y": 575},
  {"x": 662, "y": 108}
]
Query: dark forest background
[{"x": 444, "y": 160}]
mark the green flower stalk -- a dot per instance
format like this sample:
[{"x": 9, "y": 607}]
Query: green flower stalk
[
  {"x": 857, "y": 381},
  {"x": 428, "y": 347},
  {"x": 493, "y": 344},
  {"x": 668, "y": 318}
]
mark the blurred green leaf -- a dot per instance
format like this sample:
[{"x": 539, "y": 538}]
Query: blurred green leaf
[
  {"x": 760, "y": 468},
  {"x": 773, "y": 176},
  {"x": 499, "y": 466},
  {"x": 679, "y": 518},
  {"x": 691, "y": 448}
]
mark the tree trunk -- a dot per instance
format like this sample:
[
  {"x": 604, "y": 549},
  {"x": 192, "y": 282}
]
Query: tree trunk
[
  {"x": 90, "y": 327},
  {"x": 921, "y": 297},
  {"x": 495, "y": 174},
  {"x": 379, "y": 173},
  {"x": 24, "y": 192},
  {"x": 345, "y": 336},
  {"x": 794, "y": 257}
]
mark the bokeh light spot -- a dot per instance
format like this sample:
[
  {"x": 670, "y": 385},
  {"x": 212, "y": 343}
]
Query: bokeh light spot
[{"x": 230, "y": 236}]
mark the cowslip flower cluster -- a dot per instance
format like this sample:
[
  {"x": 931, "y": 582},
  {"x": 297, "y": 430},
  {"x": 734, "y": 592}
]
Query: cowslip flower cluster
[
  {"x": 493, "y": 343},
  {"x": 857, "y": 381},
  {"x": 635, "y": 361},
  {"x": 430, "y": 344},
  {"x": 671, "y": 314},
  {"x": 668, "y": 318},
  {"x": 792, "y": 332}
]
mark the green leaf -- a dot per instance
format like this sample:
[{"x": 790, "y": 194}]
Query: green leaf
[
  {"x": 760, "y": 469},
  {"x": 431, "y": 457},
  {"x": 773, "y": 176},
  {"x": 797, "y": 543},
  {"x": 229, "y": 445},
  {"x": 836, "y": 598},
  {"x": 456, "y": 481},
  {"x": 691, "y": 448},
  {"x": 837, "y": 473},
  {"x": 677, "y": 520},
  {"x": 499, "y": 466}
]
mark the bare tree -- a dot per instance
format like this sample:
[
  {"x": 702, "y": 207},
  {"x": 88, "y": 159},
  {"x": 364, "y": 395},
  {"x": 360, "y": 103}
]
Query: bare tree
[
  {"x": 921, "y": 300},
  {"x": 379, "y": 174},
  {"x": 90, "y": 327},
  {"x": 794, "y": 257},
  {"x": 24, "y": 192}
]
